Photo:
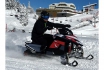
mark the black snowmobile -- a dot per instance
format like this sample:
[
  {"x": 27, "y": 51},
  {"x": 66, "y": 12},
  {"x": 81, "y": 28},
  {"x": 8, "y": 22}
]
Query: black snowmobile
[{"x": 57, "y": 47}]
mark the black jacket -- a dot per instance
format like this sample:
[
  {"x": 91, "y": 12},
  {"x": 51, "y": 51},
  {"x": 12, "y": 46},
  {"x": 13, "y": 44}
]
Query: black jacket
[{"x": 40, "y": 28}]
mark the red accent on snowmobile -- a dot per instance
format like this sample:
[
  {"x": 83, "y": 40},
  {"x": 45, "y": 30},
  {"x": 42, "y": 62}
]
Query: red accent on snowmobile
[
  {"x": 56, "y": 44},
  {"x": 72, "y": 38}
]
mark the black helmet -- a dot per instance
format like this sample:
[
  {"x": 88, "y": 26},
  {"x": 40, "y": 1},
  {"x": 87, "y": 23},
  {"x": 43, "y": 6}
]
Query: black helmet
[{"x": 44, "y": 15}]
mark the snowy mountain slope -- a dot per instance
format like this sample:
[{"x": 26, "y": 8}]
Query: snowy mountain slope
[
  {"x": 88, "y": 30},
  {"x": 12, "y": 22},
  {"x": 10, "y": 12},
  {"x": 31, "y": 22}
]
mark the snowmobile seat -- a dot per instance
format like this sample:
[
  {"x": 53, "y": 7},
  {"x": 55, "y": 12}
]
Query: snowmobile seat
[{"x": 33, "y": 47}]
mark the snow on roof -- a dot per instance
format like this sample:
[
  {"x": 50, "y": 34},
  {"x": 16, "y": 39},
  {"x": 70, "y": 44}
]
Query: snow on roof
[
  {"x": 90, "y": 5},
  {"x": 62, "y": 3}
]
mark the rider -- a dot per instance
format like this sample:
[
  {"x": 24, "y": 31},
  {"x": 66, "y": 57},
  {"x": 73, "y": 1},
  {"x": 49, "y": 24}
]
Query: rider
[{"x": 40, "y": 27}]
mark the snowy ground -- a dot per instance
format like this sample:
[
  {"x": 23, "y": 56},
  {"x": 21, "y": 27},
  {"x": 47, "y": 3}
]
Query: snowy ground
[{"x": 15, "y": 60}]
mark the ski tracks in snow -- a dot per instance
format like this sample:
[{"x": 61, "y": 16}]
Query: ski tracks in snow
[{"x": 16, "y": 60}]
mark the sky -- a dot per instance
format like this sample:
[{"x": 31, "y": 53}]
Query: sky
[{"x": 45, "y": 3}]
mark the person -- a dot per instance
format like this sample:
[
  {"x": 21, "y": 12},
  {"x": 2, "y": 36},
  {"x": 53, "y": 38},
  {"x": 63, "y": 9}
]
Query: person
[{"x": 40, "y": 27}]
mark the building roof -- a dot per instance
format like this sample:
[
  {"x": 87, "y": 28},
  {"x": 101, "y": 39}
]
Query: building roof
[
  {"x": 90, "y": 5},
  {"x": 68, "y": 4},
  {"x": 62, "y": 3}
]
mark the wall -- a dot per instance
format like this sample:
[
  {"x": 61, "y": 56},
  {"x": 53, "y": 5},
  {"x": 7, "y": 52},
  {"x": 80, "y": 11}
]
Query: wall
[{"x": 53, "y": 12}]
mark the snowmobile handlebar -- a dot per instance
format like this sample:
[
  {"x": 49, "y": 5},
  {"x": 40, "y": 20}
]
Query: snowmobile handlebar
[
  {"x": 62, "y": 26},
  {"x": 67, "y": 26},
  {"x": 65, "y": 31}
]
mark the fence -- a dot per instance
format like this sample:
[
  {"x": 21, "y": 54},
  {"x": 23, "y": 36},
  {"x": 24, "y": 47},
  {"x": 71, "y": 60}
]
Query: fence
[
  {"x": 86, "y": 19},
  {"x": 12, "y": 30}
]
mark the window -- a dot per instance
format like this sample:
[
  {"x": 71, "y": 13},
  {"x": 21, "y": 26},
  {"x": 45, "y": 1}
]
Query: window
[
  {"x": 62, "y": 5},
  {"x": 72, "y": 6}
]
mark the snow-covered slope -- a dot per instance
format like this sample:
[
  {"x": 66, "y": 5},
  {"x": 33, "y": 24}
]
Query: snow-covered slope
[
  {"x": 13, "y": 22},
  {"x": 15, "y": 60}
]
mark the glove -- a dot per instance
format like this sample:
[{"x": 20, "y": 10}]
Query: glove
[
  {"x": 49, "y": 28},
  {"x": 67, "y": 25}
]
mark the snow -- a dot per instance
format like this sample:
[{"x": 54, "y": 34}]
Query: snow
[{"x": 15, "y": 44}]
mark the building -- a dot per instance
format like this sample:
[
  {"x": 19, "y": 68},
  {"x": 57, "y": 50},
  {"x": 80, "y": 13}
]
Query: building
[
  {"x": 61, "y": 9},
  {"x": 89, "y": 7}
]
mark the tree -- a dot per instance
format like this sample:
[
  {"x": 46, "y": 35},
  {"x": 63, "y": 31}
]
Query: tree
[{"x": 23, "y": 15}]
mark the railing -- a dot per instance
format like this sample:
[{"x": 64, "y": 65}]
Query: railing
[{"x": 86, "y": 19}]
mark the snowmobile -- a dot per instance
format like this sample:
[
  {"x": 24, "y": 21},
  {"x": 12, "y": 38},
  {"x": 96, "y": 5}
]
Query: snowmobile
[{"x": 57, "y": 47}]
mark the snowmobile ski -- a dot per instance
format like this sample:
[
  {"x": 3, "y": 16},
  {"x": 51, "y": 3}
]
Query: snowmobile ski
[
  {"x": 66, "y": 62},
  {"x": 89, "y": 57},
  {"x": 74, "y": 63}
]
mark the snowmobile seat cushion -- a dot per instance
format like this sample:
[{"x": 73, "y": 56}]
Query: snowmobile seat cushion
[{"x": 33, "y": 46}]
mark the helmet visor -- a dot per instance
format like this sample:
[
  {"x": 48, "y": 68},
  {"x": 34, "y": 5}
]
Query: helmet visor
[{"x": 45, "y": 17}]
